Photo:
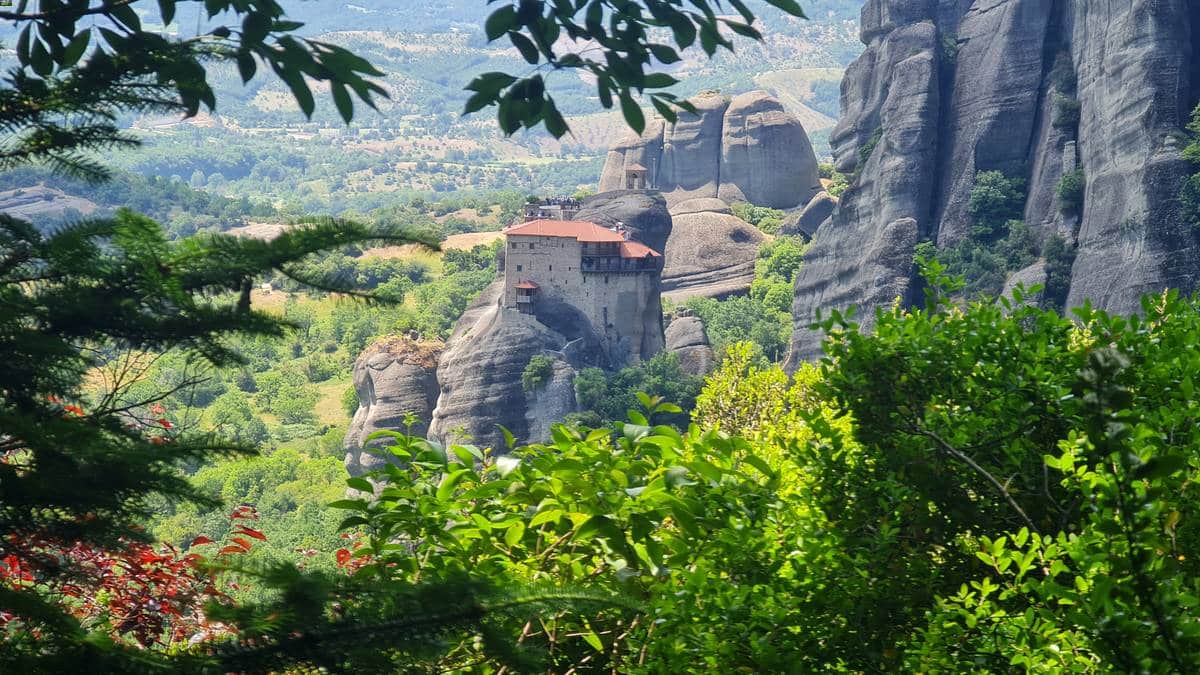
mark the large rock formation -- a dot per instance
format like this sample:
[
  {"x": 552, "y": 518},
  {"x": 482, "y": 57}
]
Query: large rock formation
[
  {"x": 549, "y": 403},
  {"x": 643, "y": 213},
  {"x": 806, "y": 221},
  {"x": 394, "y": 377},
  {"x": 688, "y": 339},
  {"x": 748, "y": 149},
  {"x": 480, "y": 377},
  {"x": 475, "y": 386},
  {"x": 710, "y": 253},
  {"x": 948, "y": 88}
]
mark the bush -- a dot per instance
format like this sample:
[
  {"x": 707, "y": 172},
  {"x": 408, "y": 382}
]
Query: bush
[
  {"x": 840, "y": 183},
  {"x": 350, "y": 401},
  {"x": 1059, "y": 259},
  {"x": 1066, "y": 112},
  {"x": 1189, "y": 192},
  {"x": 766, "y": 219},
  {"x": 868, "y": 148},
  {"x": 995, "y": 199},
  {"x": 743, "y": 319},
  {"x": 781, "y": 258},
  {"x": 319, "y": 368},
  {"x": 537, "y": 372},
  {"x": 1189, "y": 202},
  {"x": 612, "y": 395},
  {"x": 1070, "y": 191}
]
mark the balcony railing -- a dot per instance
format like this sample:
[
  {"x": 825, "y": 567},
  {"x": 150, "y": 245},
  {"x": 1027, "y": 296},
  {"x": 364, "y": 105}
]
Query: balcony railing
[{"x": 617, "y": 264}]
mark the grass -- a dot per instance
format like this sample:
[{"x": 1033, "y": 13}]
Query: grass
[{"x": 329, "y": 407}]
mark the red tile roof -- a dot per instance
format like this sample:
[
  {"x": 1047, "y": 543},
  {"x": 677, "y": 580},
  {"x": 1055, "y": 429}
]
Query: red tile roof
[
  {"x": 636, "y": 167},
  {"x": 573, "y": 229},
  {"x": 633, "y": 249},
  {"x": 526, "y": 285}
]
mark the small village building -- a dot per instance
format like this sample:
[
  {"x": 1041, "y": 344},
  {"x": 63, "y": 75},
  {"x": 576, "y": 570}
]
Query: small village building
[
  {"x": 635, "y": 177},
  {"x": 603, "y": 275},
  {"x": 552, "y": 208}
]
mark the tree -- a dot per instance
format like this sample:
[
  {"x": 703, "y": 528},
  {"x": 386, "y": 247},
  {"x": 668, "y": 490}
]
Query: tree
[
  {"x": 72, "y": 298},
  {"x": 1002, "y": 434},
  {"x": 995, "y": 199},
  {"x": 1189, "y": 192}
]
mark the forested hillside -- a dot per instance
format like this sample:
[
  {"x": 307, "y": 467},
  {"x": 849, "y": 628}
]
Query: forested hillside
[{"x": 257, "y": 145}]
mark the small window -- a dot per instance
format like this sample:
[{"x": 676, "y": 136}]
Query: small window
[
  {"x": 514, "y": 244},
  {"x": 605, "y": 278},
  {"x": 520, "y": 268},
  {"x": 552, "y": 268},
  {"x": 531, "y": 245}
]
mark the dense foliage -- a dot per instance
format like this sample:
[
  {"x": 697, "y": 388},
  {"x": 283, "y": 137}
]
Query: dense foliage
[
  {"x": 764, "y": 218},
  {"x": 1001, "y": 243},
  {"x": 985, "y": 487},
  {"x": 604, "y": 396},
  {"x": 763, "y": 317},
  {"x": 1189, "y": 193}
]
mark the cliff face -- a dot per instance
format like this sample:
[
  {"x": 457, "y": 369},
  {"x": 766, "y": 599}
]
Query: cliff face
[
  {"x": 949, "y": 88},
  {"x": 393, "y": 378},
  {"x": 744, "y": 149}
]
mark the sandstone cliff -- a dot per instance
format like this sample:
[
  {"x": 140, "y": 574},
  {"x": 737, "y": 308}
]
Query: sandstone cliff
[
  {"x": 949, "y": 88},
  {"x": 710, "y": 253},
  {"x": 745, "y": 149},
  {"x": 687, "y": 338},
  {"x": 393, "y": 378}
]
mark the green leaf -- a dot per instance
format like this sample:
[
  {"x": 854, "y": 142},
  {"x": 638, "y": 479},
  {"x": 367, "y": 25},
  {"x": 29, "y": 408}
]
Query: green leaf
[
  {"x": 633, "y": 113},
  {"x": 352, "y": 521},
  {"x": 450, "y": 481},
  {"x": 684, "y": 31},
  {"x": 361, "y": 484},
  {"x": 592, "y": 639},
  {"x": 547, "y": 516},
  {"x": 514, "y": 534},
  {"x": 510, "y": 441},
  {"x": 349, "y": 504},
  {"x": 760, "y": 464},
  {"x": 500, "y": 22},
  {"x": 665, "y": 110},
  {"x": 167, "y": 9},
  {"x": 125, "y": 15},
  {"x": 300, "y": 91},
  {"x": 664, "y": 54},
  {"x": 76, "y": 48},
  {"x": 40, "y": 60},
  {"x": 745, "y": 30},
  {"x": 1161, "y": 466},
  {"x": 790, "y": 6},
  {"x": 555, "y": 124},
  {"x": 596, "y": 525},
  {"x": 706, "y": 470},
  {"x": 246, "y": 66},
  {"x": 23, "y": 45},
  {"x": 528, "y": 50}
]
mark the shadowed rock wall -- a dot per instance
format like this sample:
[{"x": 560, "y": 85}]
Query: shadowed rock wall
[
  {"x": 745, "y": 149},
  {"x": 948, "y": 88}
]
